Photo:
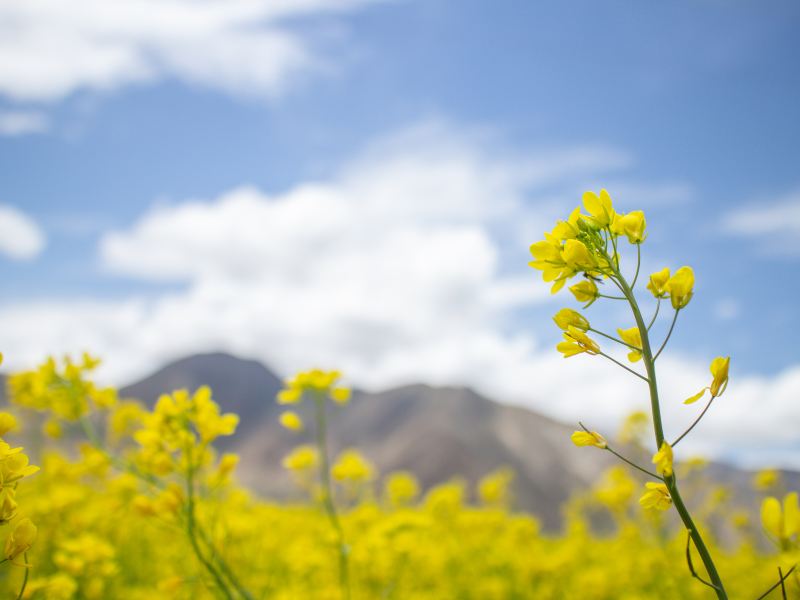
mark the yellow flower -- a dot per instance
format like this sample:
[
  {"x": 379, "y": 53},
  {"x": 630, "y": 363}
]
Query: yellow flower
[
  {"x": 21, "y": 539},
  {"x": 782, "y": 524},
  {"x": 495, "y": 488},
  {"x": 291, "y": 420},
  {"x": 589, "y": 438},
  {"x": 658, "y": 283},
  {"x": 680, "y": 287},
  {"x": 577, "y": 256},
  {"x": 567, "y": 317},
  {"x": 7, "y": 423},
  {"x": 401, "y": 488},
  {"x": 766, "y": 478},
  {"x": 575, "y": 342},
  {"x": 631, "y": 225},
  {"x": 719, "y": 370},
  {"x": 352, "y": 467},
  {"x": 585, "y": 291},
  {"x": 289, "y": 396},
  {"x": 657, "y": 496},
  {"x": 8, "y": 504},
  {"x": 632, "y": 337},
  {"x": 663, "y": 460},
  {"x": 301, "y": 459},
  {"x": 340, "y": 395},
  {"x": 599, "y": 207}
]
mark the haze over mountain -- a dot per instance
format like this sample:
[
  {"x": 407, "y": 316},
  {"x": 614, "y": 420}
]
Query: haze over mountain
[{"x": 436, "y": 433}]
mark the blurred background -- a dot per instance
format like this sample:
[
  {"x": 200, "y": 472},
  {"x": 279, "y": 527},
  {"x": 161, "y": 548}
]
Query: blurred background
[{"x": 354, "y": 184}]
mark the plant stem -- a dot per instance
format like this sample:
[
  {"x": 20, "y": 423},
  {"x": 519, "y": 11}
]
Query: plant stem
[
  {"x": 669, "y": 334},
  {"x": 638, "y": 264},
  {"x": 25, "y": 578},
  {"x": 612, "y": 338},
  {"x": 655, "y": 314},
  {"x": 327, "y": 492},
  {"x": 192, "y": 534},
  {"x": 696, "y": 421},
  {"x": 614, "y": 360},
  {"x": 658, "y": 428}
]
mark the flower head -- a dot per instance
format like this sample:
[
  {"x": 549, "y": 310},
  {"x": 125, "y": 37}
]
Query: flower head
[
  {"x": 680, "y": 287},
  {"x": 631, "y": 225},
  {"x": 21, "y": 539},
  {"x": 589, "y": 438},
  {"x": 575, "y": 342},
  {"x": 291, "y": 420},
  {"x": 656, "y": 497},
  {"x": 585, "y": 291},
  {"x": 567, "y": 317},
  {"x": 599, "y": 207},
  {"x": 663, "y": 460},
  {"x": 632, "y": 337},
  {"x": 719, "y": 370},
  {"x": 781, "y": 522},
  {"x": 658, "y": 283}
]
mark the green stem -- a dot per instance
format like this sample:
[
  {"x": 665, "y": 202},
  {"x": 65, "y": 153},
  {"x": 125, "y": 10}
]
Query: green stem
[
  {"x": 192, "y": 534},
  {"x": 696, "y": 421},
  {"x": 25, "y": 577},
  {"x": 612, "y": 338},
  {"x": 615, "y": 361},
  {"x": 638, "y": 264},
  {"x": 655, "y": 314},
  {"x": 669, "y": 334},
  {"x": 658, "y": 428},
  {"x": 327, "y": 493}
]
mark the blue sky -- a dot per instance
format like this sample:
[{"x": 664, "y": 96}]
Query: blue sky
[{"x": 460, "y": 128}]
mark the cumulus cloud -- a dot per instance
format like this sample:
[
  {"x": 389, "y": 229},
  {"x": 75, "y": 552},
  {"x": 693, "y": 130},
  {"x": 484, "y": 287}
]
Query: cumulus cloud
[
  {"x": 21, "y": 122},
  {"x": 49, "y": 49},
  {"x": 775, "y": 224},
  {"x": 20, "y": 237},
  {"x": 404, "y": 266}
]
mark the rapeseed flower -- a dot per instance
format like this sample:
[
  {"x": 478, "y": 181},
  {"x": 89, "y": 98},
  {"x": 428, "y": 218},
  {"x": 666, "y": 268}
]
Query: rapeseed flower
[
  {"x": 680, "y": 287},
  {"x": 656, "y": 497},
  {"x": 576, "y": 342},
  {"x": 567, "y": 317},
  {"x": 585, "y": 291},
  {"x": 589, "y": 438},
  {"x": 632, "y": 337},
  {"x": 658, "y": 283},
  {"x": 663, "y": 460}
]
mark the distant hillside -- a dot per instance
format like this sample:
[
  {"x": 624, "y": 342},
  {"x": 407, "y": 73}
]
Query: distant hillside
[{"x": 437, "y": 433}]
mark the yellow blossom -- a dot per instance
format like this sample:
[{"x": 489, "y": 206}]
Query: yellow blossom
[
  {"x": 657, "y": 496},
  {"x": 495, "y": 488},
  {"x": 599, "y": 208},
  {"x": 291, "y": 420},
  {"x": 352, "y": 467},
  {"x": 7, "y": 423},
  {"x": 585, "y": 290},
  {"x": 719, "y": 370},
  {"x": 567, "y": 317},
  {"x": 20, "y": 539},
  {"x": 680, "y": 287},
  {"x": 658, "y": 283},
  {"x": 577, "y": 256},
  {"x": 781, "y": 524},
  {"x": 340, "y": 395},
  {"x": 663, "y": 460},
  {"x": 632, "y": 337},
  {"x": 589, "y": 438},
  {"x": 766, "y": 478},
  {"x": 575, "y": 342},
  {"x": 631, "y": 225},
  {"x": 401, "y": 488},
  {"x": 301, "y": 459}
]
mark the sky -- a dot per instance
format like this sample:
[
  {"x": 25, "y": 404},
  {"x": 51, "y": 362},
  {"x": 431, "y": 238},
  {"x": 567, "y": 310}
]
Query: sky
[{"x": 354, "y": 184}]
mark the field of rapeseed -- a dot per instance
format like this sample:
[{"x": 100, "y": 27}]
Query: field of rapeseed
[{"x": 132, "y": 502}]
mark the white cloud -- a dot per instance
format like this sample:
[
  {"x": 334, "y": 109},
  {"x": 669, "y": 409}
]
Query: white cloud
[
  {"x": 13, "y": 123},
  {"x": 394, "y": 270},
  {"x": 774, "y": 223},
  {"x": 20, "y": 237},
  {"x": 49, "y": 49}
]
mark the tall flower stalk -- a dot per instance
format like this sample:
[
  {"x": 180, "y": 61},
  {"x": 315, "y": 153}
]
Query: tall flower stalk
[{"x": 590, "y": 245}]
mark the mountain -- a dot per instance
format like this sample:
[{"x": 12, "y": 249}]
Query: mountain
[{"x": 436, "y": 433}]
